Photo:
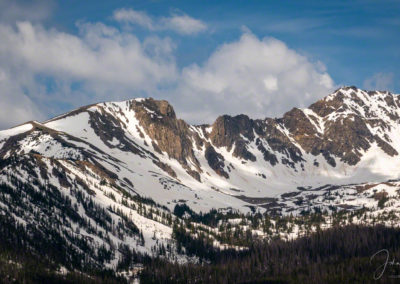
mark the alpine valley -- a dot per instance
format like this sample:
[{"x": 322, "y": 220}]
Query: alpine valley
[{"x": 126, "y": 191}]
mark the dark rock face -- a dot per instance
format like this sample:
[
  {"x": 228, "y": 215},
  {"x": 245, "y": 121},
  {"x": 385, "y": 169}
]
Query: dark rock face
[
  {"x": 272, "y": 133},
  {"x": 194, "y": 174},
  {"x": 165, "y": 168},
  {"x": 385, "y": 146},
  {"x": 301, "y": 129},
  {"x": 160, "y": 123},
  {"x": 227, "y": 131},
  {"x": 340, "y": 127},
  {"x": 324, "y": 108},
  {"x": 172, "y": 135},
  {"x": 268, "y": 156},
  {"x": 108, "y": 128},
  {"x": 216, "y": 161},
  {"x": 345, "y": 136}
]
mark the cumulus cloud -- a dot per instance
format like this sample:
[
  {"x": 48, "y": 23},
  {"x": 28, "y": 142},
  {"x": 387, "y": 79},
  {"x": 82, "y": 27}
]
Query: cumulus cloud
[
  {"x": 15, "y": 105},
  {"x": 180, "y": 23},
  {"x": 44, "y": 72},
  {"x": 258, "y": 77},
  {"x": 101, "y": 63},
  {"x": 183, "y": 24},
  {"x": 101, "y": 53},
  {"x": 131, "y": 16},
  {"x": 379, "y": 81}
]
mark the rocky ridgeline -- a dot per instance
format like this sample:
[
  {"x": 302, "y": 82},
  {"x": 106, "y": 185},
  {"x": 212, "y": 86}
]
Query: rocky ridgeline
[
  {"x": 340, "y": 125},
  {"x": 110, "y": 178},
  {"x": 338, "y": 129}
]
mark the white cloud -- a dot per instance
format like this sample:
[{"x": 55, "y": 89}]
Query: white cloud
[
  {"x": 252, "y": 76},
  {"x": 15, "y": 106},
  {"x": 183, "y": 24},
  {"x": 51, "y": 71},
  {"x": 379, "y": 81},
  {"x": 105, "y": 64},
  {"x": 101, "y": 53},
  {"x": 134, "y": 17},
  {"x": 180, "y": 23},
  {"x": 271, "y": 83}
]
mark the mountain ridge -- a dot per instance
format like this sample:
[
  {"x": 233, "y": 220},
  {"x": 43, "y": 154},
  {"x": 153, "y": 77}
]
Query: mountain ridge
[
  {"x": 334, "y": 133},
  {"x": 109, "y": 178}
]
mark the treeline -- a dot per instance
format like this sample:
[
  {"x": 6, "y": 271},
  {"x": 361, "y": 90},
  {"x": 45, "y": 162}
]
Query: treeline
[
  {"x": 336, "y": 255},
  {"x": 29, "y": 257},
  {"x": 210, "y": 218},
  {"x": 34, "y": 251}
]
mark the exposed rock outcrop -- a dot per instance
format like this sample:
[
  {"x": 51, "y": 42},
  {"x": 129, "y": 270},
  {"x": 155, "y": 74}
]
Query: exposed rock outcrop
[
  {"x": 171, "y": 135},
  {"x": 215, "y": 161},
  {"x": 228, "y": 131}
]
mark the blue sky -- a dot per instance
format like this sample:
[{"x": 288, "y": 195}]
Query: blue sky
[
  {"x": 354, "y": 39},
  {"x": 206, "y": 57}
]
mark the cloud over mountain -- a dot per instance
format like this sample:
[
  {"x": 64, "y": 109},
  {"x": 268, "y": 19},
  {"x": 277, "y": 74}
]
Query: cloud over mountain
[
  {"x": 255, "y": 76},
  {"x": 41, "y": 66}
]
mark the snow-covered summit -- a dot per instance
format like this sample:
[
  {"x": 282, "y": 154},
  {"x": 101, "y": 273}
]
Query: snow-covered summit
[{"x": 350, "y": 136}]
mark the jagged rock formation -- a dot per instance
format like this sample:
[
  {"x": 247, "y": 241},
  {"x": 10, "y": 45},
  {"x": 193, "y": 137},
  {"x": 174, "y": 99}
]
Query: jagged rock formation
[
  {"x": 95, "y": 174},
  {"x": 332, "y": 141}
]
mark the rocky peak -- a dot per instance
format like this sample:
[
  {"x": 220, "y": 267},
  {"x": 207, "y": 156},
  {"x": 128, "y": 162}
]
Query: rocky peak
[
  {"x": 302, "y": 128},
  {"x": 160, "y": 107},
  {"x": 298, "y": 123},
  {"x": 346, "y": 118},
  {"x": 168, "y": 134},
  {"x": 357, "y": 101},
  {"x": 330, "y": 104},
  {"x": 342, "y": 125},
  {"x": 228, "y": 130}
]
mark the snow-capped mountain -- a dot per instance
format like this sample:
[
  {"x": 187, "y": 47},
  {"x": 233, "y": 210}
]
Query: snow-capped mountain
[
  {"x": 116, "y": 170},
  {"x": 350, "y": 136}
]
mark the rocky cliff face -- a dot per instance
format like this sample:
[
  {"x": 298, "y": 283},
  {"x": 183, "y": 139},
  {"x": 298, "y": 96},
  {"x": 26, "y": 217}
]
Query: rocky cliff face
[
  {"x": 103, "y": 181},
  {"x": 343, "y": 126},
  {"x": 168, "y": 134},
  {"x": 352, "y": 122},
  {"x": 233, "y": 132},
  {"x": 344, "y": 137},
  {"x": 340, "y": 127}
]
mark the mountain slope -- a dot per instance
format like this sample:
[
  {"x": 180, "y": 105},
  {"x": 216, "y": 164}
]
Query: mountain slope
[
  {"x": 347, "y": 137},
  {"x": 108, "y": 175}
]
